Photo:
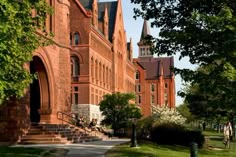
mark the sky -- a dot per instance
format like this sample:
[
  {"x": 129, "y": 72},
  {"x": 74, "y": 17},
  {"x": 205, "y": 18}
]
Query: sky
[{"x": 133, "y": 30}]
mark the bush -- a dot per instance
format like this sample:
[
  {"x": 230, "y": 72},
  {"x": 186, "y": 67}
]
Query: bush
[
  {"x": 171, "y": 133},
  {"x": 144, "y": 127}
]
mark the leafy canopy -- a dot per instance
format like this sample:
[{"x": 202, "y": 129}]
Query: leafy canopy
[
  {"x": 19, "y": 37},
  {"x": 118, "y": 109},
  {"x": 211, "y": 98},
  {"x": 204, "y": 31}
]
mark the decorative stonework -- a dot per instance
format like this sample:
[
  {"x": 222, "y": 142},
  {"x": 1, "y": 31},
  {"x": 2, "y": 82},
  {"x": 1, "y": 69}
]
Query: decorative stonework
[{"x": 101, "y": 48}]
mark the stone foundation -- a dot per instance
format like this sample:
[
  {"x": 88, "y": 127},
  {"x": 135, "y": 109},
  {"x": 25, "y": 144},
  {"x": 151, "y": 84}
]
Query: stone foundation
[{"x": 88, "y": 111}]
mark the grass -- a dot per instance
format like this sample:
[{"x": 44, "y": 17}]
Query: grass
[
  {"x": 30, "y": 152},
  {"x": 212, "y": 133},
  {"x": 215, "y": 148}
]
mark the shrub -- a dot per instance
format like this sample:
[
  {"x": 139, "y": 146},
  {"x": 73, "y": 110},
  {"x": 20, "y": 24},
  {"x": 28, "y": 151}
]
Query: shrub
[
  {"x": 144, "y": 126},
  {"x": 171, "y": 133}
]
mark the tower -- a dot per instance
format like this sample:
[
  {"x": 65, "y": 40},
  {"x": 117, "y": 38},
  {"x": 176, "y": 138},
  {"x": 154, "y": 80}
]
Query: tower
[{"x": 144, "y": 46}]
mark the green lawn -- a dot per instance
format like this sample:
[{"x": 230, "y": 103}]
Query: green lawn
[
  {"x": 30, "y": 152},
  {"x": 212, "y": 133},
  {"x": 147, "y": 149}
]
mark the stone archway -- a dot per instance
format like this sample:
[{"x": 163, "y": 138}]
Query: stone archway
[{"x": 39, "y": 91}]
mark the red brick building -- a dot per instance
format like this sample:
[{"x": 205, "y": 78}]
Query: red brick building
[
  {"x": 100, "y": 57},
  {"x": 89, "y": 58},
  {"x": 155, "y": 84},
  {"x": 51, "y": 92}
]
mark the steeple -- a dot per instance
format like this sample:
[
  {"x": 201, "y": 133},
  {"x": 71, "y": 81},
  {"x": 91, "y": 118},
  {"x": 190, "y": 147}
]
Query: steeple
[
  {"x": 144, "y": 48},
  {"x": 145, "y": 30}
]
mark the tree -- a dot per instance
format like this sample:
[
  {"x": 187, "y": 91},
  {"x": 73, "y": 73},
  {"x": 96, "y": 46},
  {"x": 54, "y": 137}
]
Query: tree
[
  {"x": 118, "y": 110},
  {"x": 167, "y": 115},
  {"x": 204, "y": 31},
  {"x": 19, "y": 37},
  {"x": 210, "y": 99},
  {"x": 184, "y": 111}
]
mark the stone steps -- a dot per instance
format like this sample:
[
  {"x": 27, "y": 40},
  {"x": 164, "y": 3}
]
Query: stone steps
[
  {"x": 57, "y": 134},
  {"x": 73, "y": 134},
  {"x": 38, "y": 135}
]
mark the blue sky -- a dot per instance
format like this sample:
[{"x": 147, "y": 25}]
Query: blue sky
[{"x": 133, "y": 30}]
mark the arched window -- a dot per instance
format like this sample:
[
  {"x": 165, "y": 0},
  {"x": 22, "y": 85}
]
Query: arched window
[
  {"x": 137, "y": 75},
  {"x": 76, "y": 38},
  {"x": 75, "y": 66}
]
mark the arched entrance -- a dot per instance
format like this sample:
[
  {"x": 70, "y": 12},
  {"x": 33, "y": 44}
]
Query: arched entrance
[{"x": 39, "y": 90}]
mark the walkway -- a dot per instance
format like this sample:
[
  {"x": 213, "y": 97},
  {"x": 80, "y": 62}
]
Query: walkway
[
  {"x": 88, "y": 149},
  {"x": 93, "y": 149}
]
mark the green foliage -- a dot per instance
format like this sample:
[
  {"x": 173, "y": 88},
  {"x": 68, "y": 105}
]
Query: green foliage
[
  {"x": 205, "y": 32},
  {"x": 144, "y": 126},
  {"x": 211, "y": 99},
  {"x": 184, "y": 111},
  {"x": 18, "y": 39},
  {"x": 171, "y": 133},
  {"x": 118, "y": 110}
]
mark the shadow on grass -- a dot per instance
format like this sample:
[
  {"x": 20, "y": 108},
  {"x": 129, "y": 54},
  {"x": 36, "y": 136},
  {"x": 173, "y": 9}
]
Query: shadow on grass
[
  {"x": 20, "y": 150},
  {"x": 31, "y": 152}
]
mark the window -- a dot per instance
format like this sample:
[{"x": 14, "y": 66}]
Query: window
[
  {"x": 75, "y": 66},
  {"x": 166, "y": 98},
  {"x": 138, "y": 88},
  {"x": 76, "y": 98},
  {"x": 138, "y": 99},
  {"x": 152, "y": 99},
  {"x": 75, "y": 95},
  {"x": 70, "y": 39},
  {"x": 148, "y": 52},
  {"x": 166, "y": 85},
  {"x": 152, "y": 87},
  {"x": 137, "y": 75},
  {"x": 76, "y": 38},
  {"x": 142, "y": 51}
]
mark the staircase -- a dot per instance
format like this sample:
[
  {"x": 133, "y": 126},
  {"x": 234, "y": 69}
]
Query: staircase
[
  {"x": 60, "y": 133},
  {"x": 71, "y": 133},
  {"x": 38, "y": 135}
]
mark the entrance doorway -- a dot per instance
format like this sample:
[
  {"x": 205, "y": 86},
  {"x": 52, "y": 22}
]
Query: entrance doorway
[{"x": 39, "y": 90}]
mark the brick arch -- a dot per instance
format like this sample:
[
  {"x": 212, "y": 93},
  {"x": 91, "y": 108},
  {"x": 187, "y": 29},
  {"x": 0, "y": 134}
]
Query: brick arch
[
  {"x": 73, "y": 38},
  {"x": 47, "y": 99},
  {"x": 77, "y": 54}
]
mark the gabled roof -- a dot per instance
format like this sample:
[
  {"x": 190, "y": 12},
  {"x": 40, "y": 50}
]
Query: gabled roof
[
  {"x": 111, "y": 10},
  {"x": 154, "y": 67}
]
